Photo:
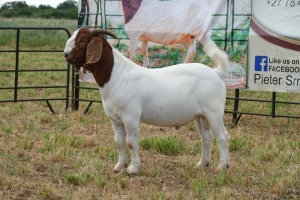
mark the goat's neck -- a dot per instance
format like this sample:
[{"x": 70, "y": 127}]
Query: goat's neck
[
  {"x": 122, "y": 69},
  {"x": 102, "y": 69}
]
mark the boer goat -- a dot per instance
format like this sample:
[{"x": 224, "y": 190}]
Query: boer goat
[
  {"x": 168, "y": 22},
  {"x": 170, "y": 96}
]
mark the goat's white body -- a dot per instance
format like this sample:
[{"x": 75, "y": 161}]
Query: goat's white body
[
  {"x": 170, "y": 22},
  {"x": 171, "y": 96}
]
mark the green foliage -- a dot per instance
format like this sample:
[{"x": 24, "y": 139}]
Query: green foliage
[
  {"x": 68, "y": 4},
  {"x": 65, "y": 10},
  {"x": 14, "y": 5}
]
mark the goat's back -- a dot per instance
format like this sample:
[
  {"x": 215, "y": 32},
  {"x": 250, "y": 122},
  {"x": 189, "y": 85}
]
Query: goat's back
[{"x": 184, "y": 77}]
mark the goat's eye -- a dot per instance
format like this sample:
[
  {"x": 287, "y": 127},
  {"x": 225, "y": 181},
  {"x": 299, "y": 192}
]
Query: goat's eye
[{"x": 84, "y": 41}]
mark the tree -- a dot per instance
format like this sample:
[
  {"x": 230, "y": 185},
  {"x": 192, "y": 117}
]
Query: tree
[
  {"x": 14, "y": 5},
  {"x": 44, "y": 7},
  {"x": 69, "y": 4}
]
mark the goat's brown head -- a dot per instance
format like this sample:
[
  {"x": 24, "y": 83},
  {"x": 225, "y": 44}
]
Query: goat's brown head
[
  {"x": 89, "y": 49},
  {"x": 85, "y": 46}
]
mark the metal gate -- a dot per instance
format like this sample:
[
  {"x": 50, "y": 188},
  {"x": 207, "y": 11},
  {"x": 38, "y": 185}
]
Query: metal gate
[{"x": 16, "y": 71}]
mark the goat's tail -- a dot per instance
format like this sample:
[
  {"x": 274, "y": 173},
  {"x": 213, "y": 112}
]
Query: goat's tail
[{"x": 220, "y": 58}]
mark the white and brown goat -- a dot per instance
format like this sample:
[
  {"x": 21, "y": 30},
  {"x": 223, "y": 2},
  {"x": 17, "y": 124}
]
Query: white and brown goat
[
  {"x": 168, "y": 22},
  {"x": 171, "y": 96}
]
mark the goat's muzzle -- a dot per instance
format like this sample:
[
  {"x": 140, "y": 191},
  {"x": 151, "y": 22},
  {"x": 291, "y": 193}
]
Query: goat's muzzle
[
  {"x": 66, "y": 56},
  {"x": 69, "y": 59}
]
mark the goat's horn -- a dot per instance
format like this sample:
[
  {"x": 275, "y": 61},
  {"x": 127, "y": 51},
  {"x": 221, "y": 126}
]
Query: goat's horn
[{"x": 97, "y": 31}]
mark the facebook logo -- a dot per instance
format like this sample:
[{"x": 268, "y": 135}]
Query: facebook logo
[{"x": 261, "y": 63}]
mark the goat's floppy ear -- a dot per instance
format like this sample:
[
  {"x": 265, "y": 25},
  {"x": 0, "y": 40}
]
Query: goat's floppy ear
[{"x": 94, "y": 50}]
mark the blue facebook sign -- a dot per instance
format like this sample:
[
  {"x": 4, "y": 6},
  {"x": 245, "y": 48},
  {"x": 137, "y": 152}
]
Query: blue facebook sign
[{"x": 261, "y": 63}]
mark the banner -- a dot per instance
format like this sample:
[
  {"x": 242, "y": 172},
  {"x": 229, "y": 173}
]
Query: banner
[
  {"x": 274, "y": 46},
  {"x": 155, "y": 25}
]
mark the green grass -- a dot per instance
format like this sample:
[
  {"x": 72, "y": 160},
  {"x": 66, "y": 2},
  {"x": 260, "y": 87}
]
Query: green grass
[
  {"x": 169, "y": 145},
  {"x": 69, "y": 155}
]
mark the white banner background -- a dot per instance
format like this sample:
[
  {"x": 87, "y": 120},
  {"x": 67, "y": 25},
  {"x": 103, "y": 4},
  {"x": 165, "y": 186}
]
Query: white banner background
[{"x": 274, "y": 46}]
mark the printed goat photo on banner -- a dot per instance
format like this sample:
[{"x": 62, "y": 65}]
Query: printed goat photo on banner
[{"x": 160, "y": 33}]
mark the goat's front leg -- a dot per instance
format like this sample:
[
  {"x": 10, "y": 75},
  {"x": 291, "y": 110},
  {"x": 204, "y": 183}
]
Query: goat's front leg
[
  {"x": 120, "y": 140},
  {"x": 133, "y": 132}
]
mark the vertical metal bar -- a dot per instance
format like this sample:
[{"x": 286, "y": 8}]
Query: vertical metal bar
[
  {"x": 105, "y": 19},
  {"x": 17, "y": 66},
  {"x": 236, "y": 106},
  {"x": 76, "y": 90},
  {"x": 101, "y": 6},
  {"x": 103, "y": 14},
  {"x": 68, "y": 85},
  {"x": 73, "y": 88},
  {"x": 232, "y": 22},
  {"x": 273, "y": 104},
  {"x": 226, "y": 26}
]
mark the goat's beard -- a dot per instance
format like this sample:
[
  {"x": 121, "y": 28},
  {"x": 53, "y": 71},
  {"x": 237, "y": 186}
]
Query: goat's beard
[
  {"x": 77, "y": 66},
  {"x": 75, "y": 62}
]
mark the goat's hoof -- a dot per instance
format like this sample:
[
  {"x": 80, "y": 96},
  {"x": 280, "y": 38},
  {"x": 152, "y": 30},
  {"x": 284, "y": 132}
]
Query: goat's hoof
[
  {"x": 202, "y": 165},
  {"x": 119, "y": 166},
  {"x": 223, "y": 167},
  {"x": 133, "y": 170}
]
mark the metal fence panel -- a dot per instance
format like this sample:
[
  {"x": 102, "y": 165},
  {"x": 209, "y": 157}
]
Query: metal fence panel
[{"x": 17, "y": 72}]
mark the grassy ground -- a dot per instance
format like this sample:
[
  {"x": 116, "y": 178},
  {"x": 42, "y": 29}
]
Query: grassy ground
[{"x": 69, "y": 155}]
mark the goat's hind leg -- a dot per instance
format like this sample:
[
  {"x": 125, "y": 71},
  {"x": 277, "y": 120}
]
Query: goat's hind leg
[
  {"x": 191, "y": 53},
  {"x": 218, "y": 128},
  {"x": 145, "y": 53},
  {"x": 133, "y": 45},
  {"x": 120, "y": 140},
  {"x": 205, "y": 133}
]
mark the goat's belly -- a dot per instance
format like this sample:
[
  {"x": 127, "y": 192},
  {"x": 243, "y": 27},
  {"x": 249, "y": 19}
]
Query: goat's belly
[
  {"x": 168, "y": 118},
  {"x": 162, "y": 38}
]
